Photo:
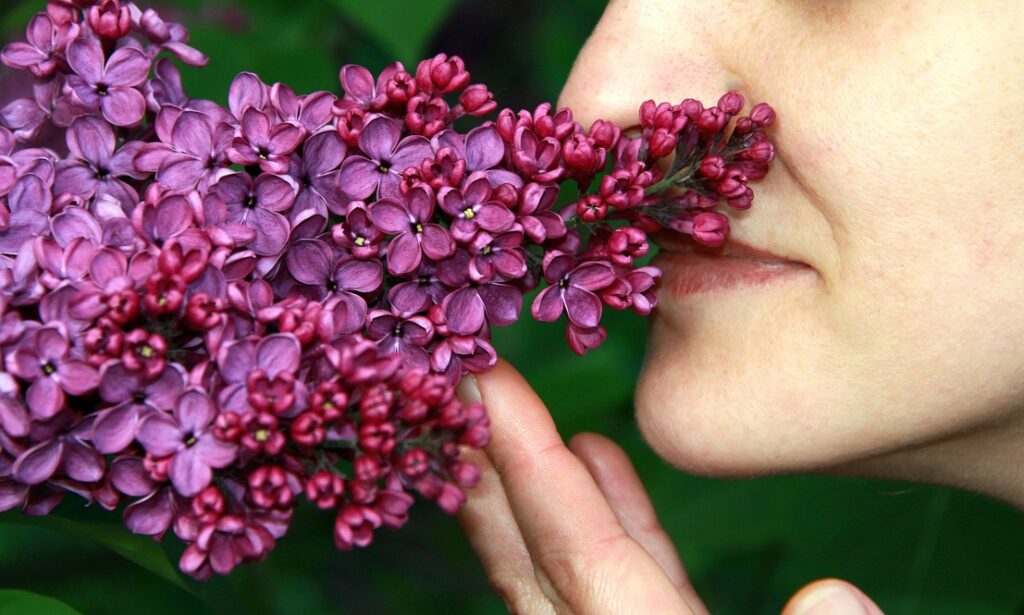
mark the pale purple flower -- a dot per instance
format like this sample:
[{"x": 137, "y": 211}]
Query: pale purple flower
[
  {"x": 358, "y": 235},
  {"x": 274, "y": 355},
  {"x": 473, "y": 305},
  {"x": 161, "y": 221},
  {"x": 46, "y": 41},
  {"x": 417, "y": 235},
  {"x": 247, "y": 90},
  {"x": 571, "y": 289},
  {"x": 95, "y": 169},
  {"x": 109, "y": 85},
  {"x": 186, "y": 436},
  {"x": 483, "y": 150},
  {"x": 535, "y": 158},
  {"x": 312, "y": 111},
  {"x": 500, "y": 255},
  {"x": 191, "y": 152},
  {"x": 538, "y": 221},
  {"x": 421, "y": 290},
  {"x": 455, "y": 354},
  {"x": 386, "y": 156},
  {"x": 360, "y": 88},
  {"x": 265, "y": 141},
  {"x": 59, "y": 266},
  {"x": 405, "y": 336},
  {"x": 134, "y": 398},
  {"x": 170, "y": 36},
  {"x": 45, "y": 360},
  {"x": 257, "y": 205},
  {"x": 473, "y": 209},
  {"x": 316, "y": 173},
  {"x": 326, "y": 274},
  {"x": 65, "y": 454}
]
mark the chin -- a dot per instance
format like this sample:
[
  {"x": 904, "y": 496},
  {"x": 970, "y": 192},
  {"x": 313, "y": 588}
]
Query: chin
[{"x": 715, "y": 404}]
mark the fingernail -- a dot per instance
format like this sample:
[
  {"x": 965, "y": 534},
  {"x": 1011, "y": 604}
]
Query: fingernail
[
  {"x": 831, "y": 599},
  {"x": 467, "y": 389}
]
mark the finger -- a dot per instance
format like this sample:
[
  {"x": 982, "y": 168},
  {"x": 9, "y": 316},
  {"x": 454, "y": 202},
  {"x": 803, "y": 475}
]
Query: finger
[
  {"x": 830, "y": 597},
  {"x": 586, "y": 559},
  {"x": 618, "y": 481},
  {"x": 487, "y": 521}
]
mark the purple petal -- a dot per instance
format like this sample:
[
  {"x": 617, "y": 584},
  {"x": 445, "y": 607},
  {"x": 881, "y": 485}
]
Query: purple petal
[
  {"x": 38, "y": 463},
  {"x": 76, "y": 222},
  {"x": 309, "y": 262},
  {"x": 256, "y": 126},
  {"x": 14, "y": 420},
  {"x": 85, "y": 56},
  {"x": 92, "y": 139},
  {"x": 390, "y": 216},
  {"x": 278, "y": 353},
  {"x": 44, "y": 398},
  {"x": 275, "y": 192},
  {"x": 583, "y": 307},
  {"x": 494, "y": 218},
  {"x": 464, "y": 310},
  {"x": 129, "y": 476},
  {"x": 379, "y": 137},
  {"x": 162, "y": 392},
  {"x": 323, "y": 152},
  {"x": 77, "y": 377},
  {"x": 359, "y": 275},
  {"x": 436, "y": 242},
  {"x": 358, "y": 177},
  {"x": 192, "y": 134},
  {"x": 81, "y": 462},
  {"x": 114, "y": 428},
  {"x": 285, "y": 138},
  {"x": 188, "y": 473},
  {"x": 404, "y": 254},
  {"x": 271, "y": 232},
  {"x": 592, "y": 276},
  {"x": 236, "y": 360},
  {"x": 127, "y": 67},
  {"x": 484, "y": 148},
  {"x": 123, "y": 106},
  {"x": 215, "y": 453},
  {"x": 22, "y": 55},
  {"x": 502, "y": 303},
  {"x": 194, "y": 411},
  {"x": 159, "y": 434},
  {"x": 30, "y": 193},
  {"x": 117, "y": 384},
  {"x": 547, "y": 306},
  {"x": 150, "y": 516},
  {"x": 357, "y": 83},
  {"x": 246, "y": 91},
  {"x": 180, "y": 171},
  {"x": 410, "y": 153}
]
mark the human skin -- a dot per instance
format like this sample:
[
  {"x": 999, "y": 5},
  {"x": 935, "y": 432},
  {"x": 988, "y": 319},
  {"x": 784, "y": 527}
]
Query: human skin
[{"x": 897, "y": 175}]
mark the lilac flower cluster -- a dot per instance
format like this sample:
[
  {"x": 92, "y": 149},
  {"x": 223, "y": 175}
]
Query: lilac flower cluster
[{"x": 210, "y": 313}]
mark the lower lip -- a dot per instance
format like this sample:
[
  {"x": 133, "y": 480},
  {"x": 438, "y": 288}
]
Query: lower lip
[{"x": 690, "y": 274}]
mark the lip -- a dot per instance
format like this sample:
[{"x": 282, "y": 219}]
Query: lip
[{"x": 689, "y": 268}]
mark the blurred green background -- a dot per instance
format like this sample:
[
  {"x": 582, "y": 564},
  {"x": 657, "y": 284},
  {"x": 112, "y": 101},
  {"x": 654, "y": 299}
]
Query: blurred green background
[{"x": 747, "y": 544}]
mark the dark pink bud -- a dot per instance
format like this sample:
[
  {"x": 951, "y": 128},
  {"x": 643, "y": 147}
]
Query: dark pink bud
[
  {"x": 712, "y": 167},
  {"x": 761, "y": 152},
  {"x": 366, "y": 468},
  {"x": 762, "y": 115},
  {"x": 414, "y": 463},
  {"x": 467, "y": 474},
  {"x": 743, "y": 201},
  {"x": 477, "y": 100},
  {"x": 324, "y": 489},
  {"x": 307, "y": 429},
  {"x": 711, "y": 120},
  {"x": 605, "y": 134},
  {"x": 442, "y": 74},
  {"x": 661, "y": 143},
  {"x": 400, "y": 88},
  {"x": 377, "y": 438},
  {"x": 591, "y": 208},
  {"x": 350, "y": 125},
  {"x": 710, "y": 228},
  {"x": 204, "y": 312},
  {"x": 425, "y": 115},
  {"x": 580, "y": 155},
  {"x": 269, "y": 488},
  {"x": 208, "y": 505},
  {"x": 732, "y": 184},
  {"x": 451, "y": 498},
  {"x": 164, "y": 294},
  {"x": 731, "y": 102},
  {"x": 109, "y": 19},
  {"x": 691, "y": 108}
]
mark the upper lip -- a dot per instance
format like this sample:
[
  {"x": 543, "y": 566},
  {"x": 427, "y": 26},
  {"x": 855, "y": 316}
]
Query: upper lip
[{"x": 676, "y": 242}]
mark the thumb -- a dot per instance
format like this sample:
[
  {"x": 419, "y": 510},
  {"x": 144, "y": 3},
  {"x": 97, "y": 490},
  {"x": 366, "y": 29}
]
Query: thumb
[{"x": 830, "y": 597}]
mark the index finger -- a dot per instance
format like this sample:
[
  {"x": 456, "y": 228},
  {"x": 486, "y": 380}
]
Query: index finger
[{"x": 569, "y": 528}]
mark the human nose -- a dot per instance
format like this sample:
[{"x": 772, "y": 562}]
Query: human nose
[{"x": 647, "y": 49}]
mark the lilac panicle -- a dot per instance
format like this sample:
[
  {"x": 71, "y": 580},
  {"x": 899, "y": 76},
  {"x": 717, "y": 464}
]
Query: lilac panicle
[{"x": 211, "y": 313}]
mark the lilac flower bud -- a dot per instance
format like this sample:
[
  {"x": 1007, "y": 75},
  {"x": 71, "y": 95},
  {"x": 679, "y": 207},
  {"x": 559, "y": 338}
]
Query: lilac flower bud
[
  {"x": 712, "y": 167},
  {"x": 761, "y": 152},
  {"x": 731, "y": 103},
  {"x": 109, "y": 19},
  {"x": 711, "y": 120},
  {"x": 477, "y": 100},
  {"x": 605, "y": 134},
  {"x": 762, "y": 115},
  {"x": 710, "y": 228}
]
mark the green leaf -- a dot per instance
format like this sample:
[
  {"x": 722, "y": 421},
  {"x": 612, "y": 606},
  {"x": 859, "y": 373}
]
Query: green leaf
[
  {"x": 18, "y": 602},
  {"x": 141, "y": 550},
  {"x": 401, "y": 28}
]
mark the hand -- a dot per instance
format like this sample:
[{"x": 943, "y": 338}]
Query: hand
[{"x": 571, "y": 529}]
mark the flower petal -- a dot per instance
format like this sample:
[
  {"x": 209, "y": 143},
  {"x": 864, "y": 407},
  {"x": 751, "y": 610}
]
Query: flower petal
[
  {"x": 194, "y": 411},
  {"x": 464, "y": 310},
  {"x": 85, "y": 57},
  {"x": 390, "y": 216},
  {"x": 92, "y": 139},
  {"x": 128, "y": 67},
  {"x": 358, "y": 177},
  {"x": 159, "y": 434},
  {"x": 404, "y": 254},
  {"x": 484, "y": 148},
  {"x": 38, "y": 463},
  {"x": 114, "y": 428},
  {"x": 379, "y": 138},
  {"x": 583, "y": 307},
  {"x": 278, "y": 353},
  {"x": 77, "y": 377},
  {"x": 44, "y": 398},
  {"x": 81, "y": 462},
  {"x": 123, "y": 106},
  {"x": 309, "y": 261},
  {"x": 188, "y": 473}
]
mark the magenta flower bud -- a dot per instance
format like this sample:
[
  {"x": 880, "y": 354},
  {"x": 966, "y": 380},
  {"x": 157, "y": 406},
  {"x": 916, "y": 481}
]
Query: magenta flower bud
[
  {"x": 744, "y": 126},
  {"x": 762, "y": 115},
  {"x": 711, "y": 120},
  {"x": 442, "y": 74},
  {"x": 710, "y": 228},
  {"x": 350, "y": 124},
  {"x": 731, "y": 102},
  {"x": 269, "y": 487},
  {"x": 506, "y": 125},
  {"x": 580, "y": 155},
  {"x": 366, "y": 468},
  {"x": 261, "y": 433},
  {"x": 451, "y": 498},
  {"x": 324, "y": 488},
  {"x": 208, "y": 505},
  {"x": 109, "y": 19},
  {"x": 661, "y": 143},
  {"x": 400, "y": 88},
  {"x": 605, "y": 134},
  {"x": 425, "y": 115},
  {"x": 591, "y": 208},
  {"x": 465, "y": 473},
  {"x": 742, "y": 201},
  {"x": 477, "y": 100},
  {"x": 761, "y": 152},
  {"x": 712, "y": 167},
  {"x": 414, "y": 463},
  {"x": 691, "y": 108},
  {"x": 732, "y": 184}
]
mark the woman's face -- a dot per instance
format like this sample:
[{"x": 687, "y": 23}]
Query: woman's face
[{"x": 899, "y": 177}]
